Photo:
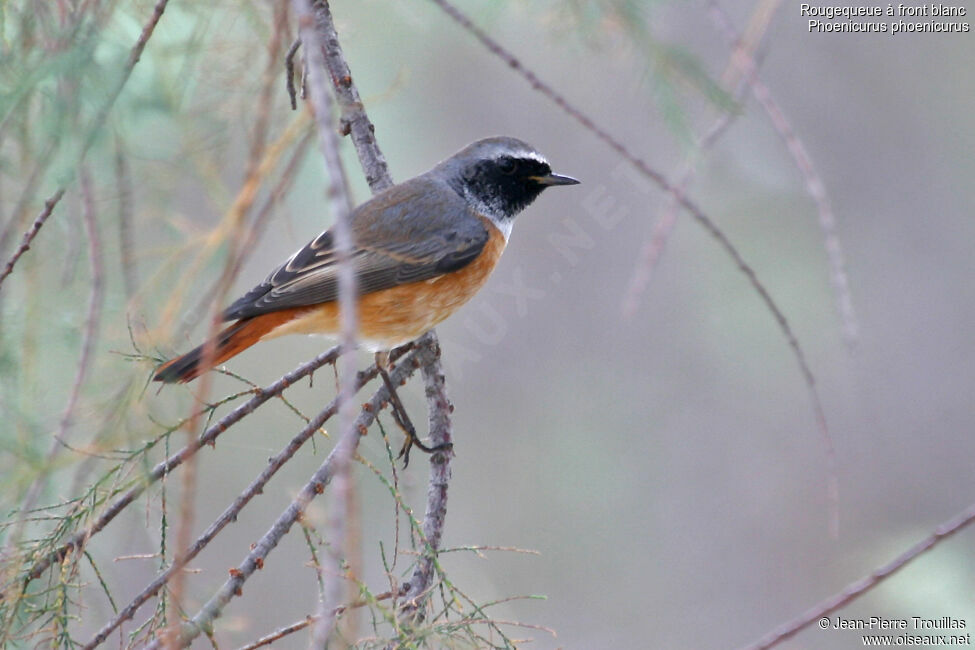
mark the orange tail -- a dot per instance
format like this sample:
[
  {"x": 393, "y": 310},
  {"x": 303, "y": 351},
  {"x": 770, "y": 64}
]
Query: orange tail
[{"x": 230, "y": 342}]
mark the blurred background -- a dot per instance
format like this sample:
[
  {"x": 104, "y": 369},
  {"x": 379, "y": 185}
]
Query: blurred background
[{"x": 665, "y": 465}]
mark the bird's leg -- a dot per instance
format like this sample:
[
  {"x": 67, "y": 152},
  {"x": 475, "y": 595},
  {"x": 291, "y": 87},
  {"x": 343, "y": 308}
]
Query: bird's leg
[{"x": 400, "y": 415}]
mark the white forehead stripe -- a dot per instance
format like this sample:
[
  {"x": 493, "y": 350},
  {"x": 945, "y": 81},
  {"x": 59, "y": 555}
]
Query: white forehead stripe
[{"x": 521, "y": 153}]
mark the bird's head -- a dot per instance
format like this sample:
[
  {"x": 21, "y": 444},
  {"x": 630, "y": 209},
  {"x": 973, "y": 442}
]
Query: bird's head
[{"x": 499, "y": 177}]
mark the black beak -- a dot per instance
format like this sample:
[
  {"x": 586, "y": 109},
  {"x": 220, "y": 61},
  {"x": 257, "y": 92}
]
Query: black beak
[{"x": 554, "y": 179}]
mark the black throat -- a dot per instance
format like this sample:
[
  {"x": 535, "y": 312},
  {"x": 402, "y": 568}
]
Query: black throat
[{"x": 502, "y": 187}]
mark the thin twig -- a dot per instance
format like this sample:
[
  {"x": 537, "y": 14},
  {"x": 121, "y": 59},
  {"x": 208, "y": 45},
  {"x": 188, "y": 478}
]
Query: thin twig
[
  {"x": 230, "y": 514},
  {"x": 652, "y": 250},
  {"x": 297, "y": 626},
  {"x": 280, "y": 633},
  {"x": 19, "y": 209},
  {"x": 441, "y": 430},
  {"x": 209, "y": 437},
  {"x": 814, "y": 182},
  {"x": 238, "y": 237},
  {"x": 255, "y": 559},
  {"x": 91, "y": 333},
  {"x": 354, "y": 120},
  {"x": 130, "y": 273},
  {"x": 705, "y": 221},
  {"x": 259, "y": 133},
  {"x": 31, "y": 233},
  {"x": 862, "y": 586},
  {"x": 341, "y": 204},
  {"x": 134, "y": 55},
  {"x": 95, "y": 301},
  {"x": 289, "y": 73},
  {"x": 285, "y": 181},
  {"x": 234, "y": 219}
]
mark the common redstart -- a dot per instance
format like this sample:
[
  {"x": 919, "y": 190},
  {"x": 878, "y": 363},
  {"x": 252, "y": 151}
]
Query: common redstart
[{"x": 421, "y": 249}]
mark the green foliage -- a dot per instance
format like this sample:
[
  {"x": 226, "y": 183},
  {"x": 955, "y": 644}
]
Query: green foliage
[{"x": 676, "y": 77}]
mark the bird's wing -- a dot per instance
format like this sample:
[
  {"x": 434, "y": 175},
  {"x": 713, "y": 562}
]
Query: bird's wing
[{"x": 414, "y": 231}]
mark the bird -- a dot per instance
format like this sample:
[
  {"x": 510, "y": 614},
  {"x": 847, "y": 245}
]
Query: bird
[{"x": 421, "y": 249}]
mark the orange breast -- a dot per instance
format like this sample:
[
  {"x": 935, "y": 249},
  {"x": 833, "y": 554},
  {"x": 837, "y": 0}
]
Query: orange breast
[{"x": 395, "y": 316}]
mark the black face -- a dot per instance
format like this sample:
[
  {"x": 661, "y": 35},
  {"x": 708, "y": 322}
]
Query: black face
[{"x": 505, "y": 185}]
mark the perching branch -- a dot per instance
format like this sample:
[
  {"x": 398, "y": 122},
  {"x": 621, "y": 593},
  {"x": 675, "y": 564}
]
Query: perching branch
[
  {"x": 696, "y": 212},
  {"x": 316, "y": 485},
  {"x": 433, "y": 518},
  {"x": 377, "y": 175},
  {"x": 230, "y": 514}
]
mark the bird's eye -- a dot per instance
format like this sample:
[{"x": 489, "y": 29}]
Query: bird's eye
[{"x": 507, "y": 166}]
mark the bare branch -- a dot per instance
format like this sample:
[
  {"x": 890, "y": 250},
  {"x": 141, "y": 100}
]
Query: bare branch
[
  {"x": 31, "y": 233},
  {"x": 652, "y": 250},
  {"x": 130, "y": 273},
  {"x": 91, "y": 333},
  {"x": 341, "y": 202},
  {"x": 814, "y": 182},
  {"x": 377, "y": 175},
  {"x": 229, "y": 515},
  {"x": 705, "y": 221},
  {"x": 441, "y": 431},
  {"x": 134, "y": 55},
  {"x": 282, "y": 632},
  {"x": 255, "y": 559},
  {"x": 289, "y": 72},
  {"x": 354, "y": 120},
  {"x": 862, "y": 586},
  {"x": 209, "y": 437}
]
